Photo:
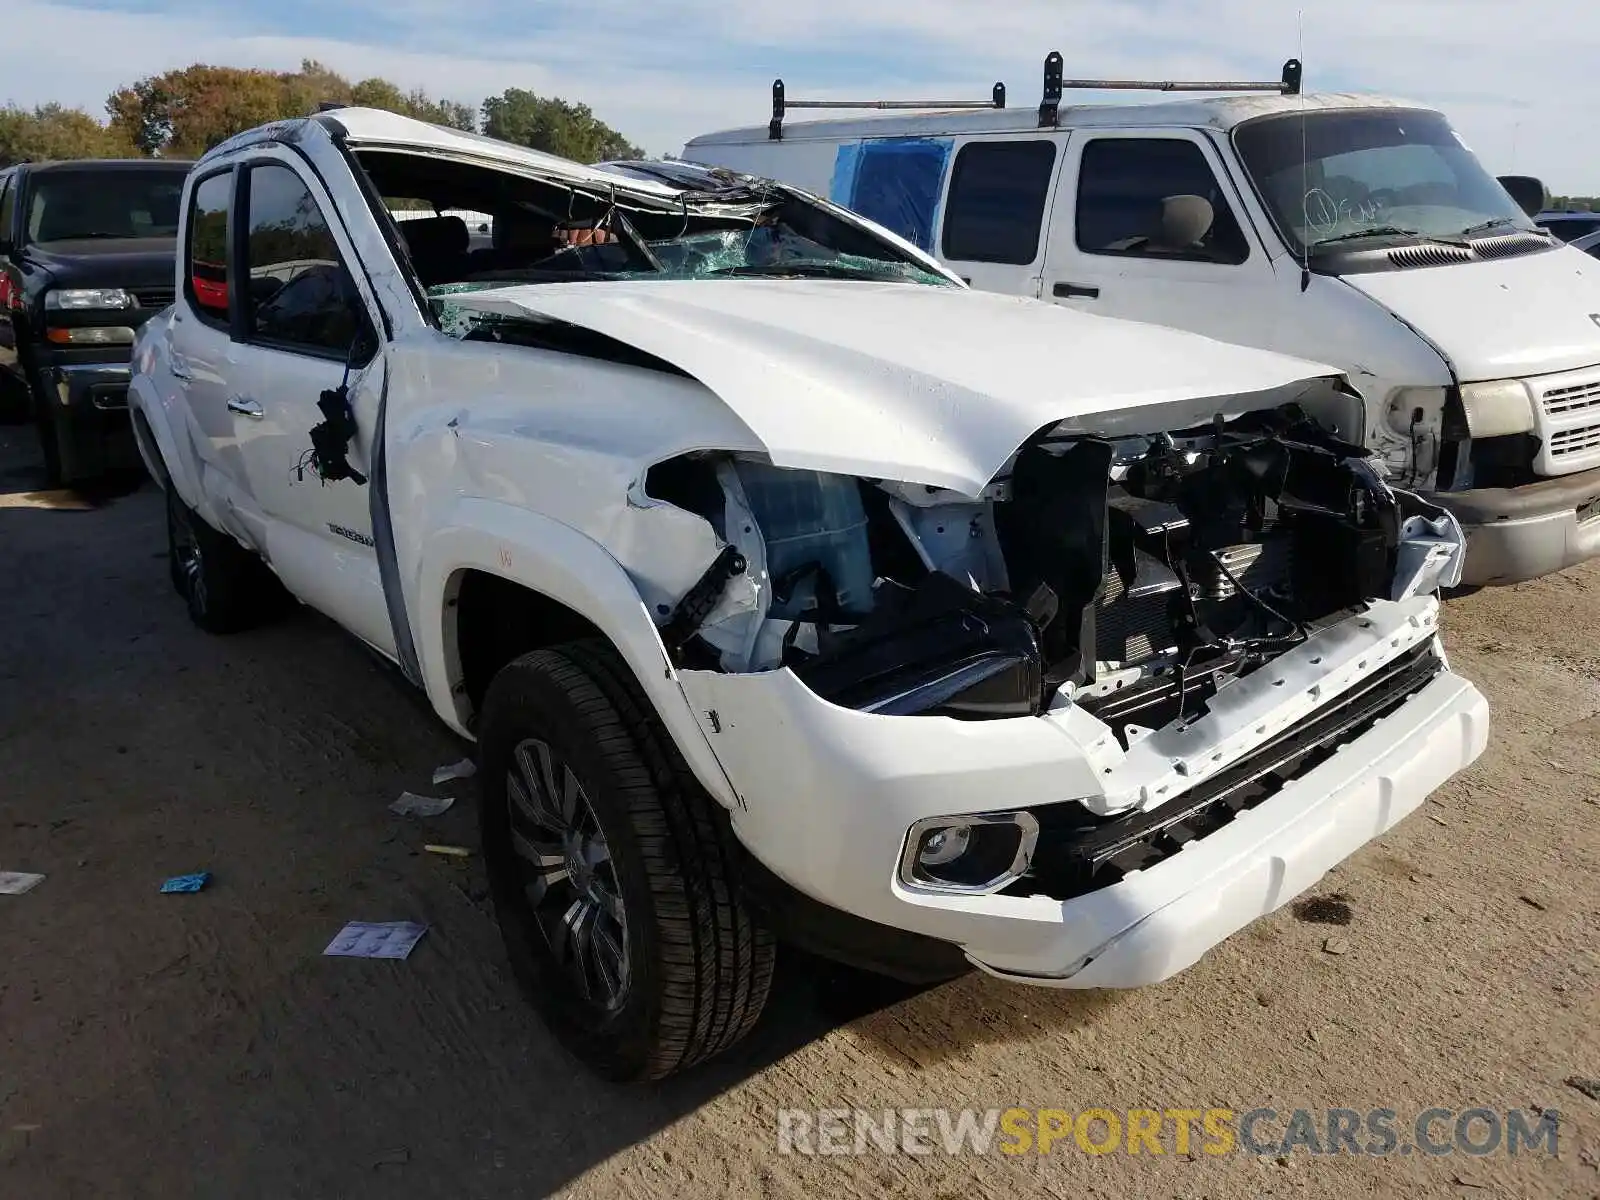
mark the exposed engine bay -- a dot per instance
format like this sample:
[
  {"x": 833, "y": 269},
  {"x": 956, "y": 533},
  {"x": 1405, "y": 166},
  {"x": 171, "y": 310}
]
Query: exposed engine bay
[{"x": 1135, "y": 577}]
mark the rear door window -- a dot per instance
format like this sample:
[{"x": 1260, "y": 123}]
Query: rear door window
[
  {"x": 995, "y": 209},
  {"x": 206, "y": 275},
  {"x": 1154, "y": 197}
]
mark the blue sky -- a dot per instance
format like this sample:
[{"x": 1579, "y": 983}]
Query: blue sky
[{"x": 1523, "y": 88}]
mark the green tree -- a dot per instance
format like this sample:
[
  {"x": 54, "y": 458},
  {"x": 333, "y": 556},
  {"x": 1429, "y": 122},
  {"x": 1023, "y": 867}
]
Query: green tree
[
  {"x": 555, "y": 126},
  {"x": 52, "y": 131}
]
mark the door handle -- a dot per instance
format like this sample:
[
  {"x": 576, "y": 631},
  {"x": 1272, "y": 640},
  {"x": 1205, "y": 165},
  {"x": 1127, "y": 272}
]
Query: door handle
[
  {"x": 246, "y": 408},
  {"x": 1069, "y": 291}
]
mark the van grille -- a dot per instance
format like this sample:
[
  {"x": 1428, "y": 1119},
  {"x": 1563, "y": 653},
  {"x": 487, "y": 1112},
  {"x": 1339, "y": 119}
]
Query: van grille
[
  {"x": 1569, "y": 421},
  {"x": 1571, "y": 399},
  {"x": 1582, "y": 440}
]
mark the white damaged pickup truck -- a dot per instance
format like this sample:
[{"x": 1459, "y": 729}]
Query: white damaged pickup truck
[{"x": 790, "y": 589}]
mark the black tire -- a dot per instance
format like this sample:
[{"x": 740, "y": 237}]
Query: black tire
[
  {"x": 49, "y": 446},
  {"x": 695, "y": 961},
  {"x": 227, "y": 589}
]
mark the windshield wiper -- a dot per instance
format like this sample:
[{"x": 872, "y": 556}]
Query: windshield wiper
[
  {"x": 1390, "y": 231},
  {"x": 1485, "y": 226}
]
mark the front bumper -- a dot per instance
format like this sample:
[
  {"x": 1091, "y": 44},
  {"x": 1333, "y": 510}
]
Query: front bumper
[
  {"x": 1522, "y": 533},
  {"x": 87, "y": 404},
  {"x": 827, "y": 795}
]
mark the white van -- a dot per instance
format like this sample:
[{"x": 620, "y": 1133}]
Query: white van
[{"x": 1352, "y": 230}]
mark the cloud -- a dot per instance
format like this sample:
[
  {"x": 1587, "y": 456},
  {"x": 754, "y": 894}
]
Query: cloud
[{"x": 1521, "y": 87}]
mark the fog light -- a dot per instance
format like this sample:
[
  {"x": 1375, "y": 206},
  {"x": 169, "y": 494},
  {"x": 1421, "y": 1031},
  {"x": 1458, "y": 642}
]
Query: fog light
[
  {"x": 940, "y": 847},
  {"x": 968, "y": 854}
]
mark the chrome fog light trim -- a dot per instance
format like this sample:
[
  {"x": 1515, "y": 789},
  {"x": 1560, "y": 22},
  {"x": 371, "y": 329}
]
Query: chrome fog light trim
[{"x": 972, "y": 855}]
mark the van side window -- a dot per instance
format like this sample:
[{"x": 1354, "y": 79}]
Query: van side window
[
  {"x": 995, "y": 209},
  {"x": 1154, "y": 198},
  {"x": 206, "y": 273},
  {"x": 897, "y": 185}
]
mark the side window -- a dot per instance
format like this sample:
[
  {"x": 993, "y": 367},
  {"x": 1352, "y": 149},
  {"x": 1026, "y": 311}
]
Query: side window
[
  {"x": 300, "y": 296},
  {"x": 1155, "y": 198},
  {"x": 995, "y": 210},
  {"x": 206, "y": 272},
  {"x": 897, "y": 182},
  {"x": 8, "y": 205}
]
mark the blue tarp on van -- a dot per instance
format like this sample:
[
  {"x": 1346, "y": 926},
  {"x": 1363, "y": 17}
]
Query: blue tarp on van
[{"x": 895, "y": 182}]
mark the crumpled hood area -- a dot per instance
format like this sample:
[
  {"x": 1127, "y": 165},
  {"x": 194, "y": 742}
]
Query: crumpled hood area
[{"x": 908, "y": 382}]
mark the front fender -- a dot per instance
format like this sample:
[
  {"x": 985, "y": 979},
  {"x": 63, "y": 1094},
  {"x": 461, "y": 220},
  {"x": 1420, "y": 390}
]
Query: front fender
[{"x": 570, "y": 568}]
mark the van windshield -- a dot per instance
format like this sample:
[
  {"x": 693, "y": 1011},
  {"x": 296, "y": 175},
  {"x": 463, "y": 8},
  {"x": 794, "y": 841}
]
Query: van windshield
[{"x": 1345, "y": 176}]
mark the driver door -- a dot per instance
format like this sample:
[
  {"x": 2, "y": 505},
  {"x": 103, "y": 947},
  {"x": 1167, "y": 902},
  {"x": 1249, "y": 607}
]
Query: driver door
[
  {"x": 1127, "y": 240},
  {"x": 307, "y": 328}
]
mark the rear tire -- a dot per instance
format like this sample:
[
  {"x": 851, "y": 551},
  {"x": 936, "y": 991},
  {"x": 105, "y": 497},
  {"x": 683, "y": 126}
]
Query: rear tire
[
  {"x": 615, "y": 876},
  {"x": 227, "y": 589}
]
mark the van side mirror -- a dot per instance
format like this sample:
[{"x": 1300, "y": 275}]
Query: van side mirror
[{"x": 1531, "y": 195}]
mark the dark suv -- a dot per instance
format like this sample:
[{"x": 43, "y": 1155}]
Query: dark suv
[{"x": 87, "y": 252}]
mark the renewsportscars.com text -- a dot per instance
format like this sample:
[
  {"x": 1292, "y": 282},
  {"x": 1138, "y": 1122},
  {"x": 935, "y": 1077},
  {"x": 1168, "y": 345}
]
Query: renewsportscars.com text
[{"x": 1377, "y": 1132}]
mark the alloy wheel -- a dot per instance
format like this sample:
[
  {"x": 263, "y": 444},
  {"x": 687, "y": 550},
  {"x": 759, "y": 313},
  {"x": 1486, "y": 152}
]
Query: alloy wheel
[{"x": 569, "y": 882}]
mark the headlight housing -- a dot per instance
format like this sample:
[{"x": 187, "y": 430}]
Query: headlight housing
[
  {"x": 1493, "y": 408},
  {"x": 968, "y": 855},
  {"x": 1497, "y": 408},
  {"x": 89, "y": 300}
]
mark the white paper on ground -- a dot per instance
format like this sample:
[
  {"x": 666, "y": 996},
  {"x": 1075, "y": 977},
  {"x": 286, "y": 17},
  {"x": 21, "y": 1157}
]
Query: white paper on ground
[
  {"x": 14, "y": 883},
  {"x": 376, "y": 939},
  {"x": 465, "y": 769},
  {"x": 411, "y": 805}
]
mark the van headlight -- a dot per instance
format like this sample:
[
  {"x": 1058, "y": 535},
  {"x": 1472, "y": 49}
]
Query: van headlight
[
  {"x": 969, "y": 855},
  {"x": 1497, "y": 408},
  {"x": 1493, "y": 408}
]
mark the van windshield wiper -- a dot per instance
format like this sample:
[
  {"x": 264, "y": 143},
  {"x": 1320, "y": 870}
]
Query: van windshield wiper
[
  {"x": 1393, "y": 231},
  {"x": 1485, "y": 226}
]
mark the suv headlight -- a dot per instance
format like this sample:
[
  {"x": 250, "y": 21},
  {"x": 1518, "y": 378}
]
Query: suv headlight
[
  {"x": 968, "y": 855},
  {"x": 89, "y": 299}
]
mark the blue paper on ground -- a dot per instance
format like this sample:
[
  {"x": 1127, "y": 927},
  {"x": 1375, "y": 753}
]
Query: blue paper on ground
[
  {"x": 376, "y": 939},
  {"x": 187, "y": 883}
]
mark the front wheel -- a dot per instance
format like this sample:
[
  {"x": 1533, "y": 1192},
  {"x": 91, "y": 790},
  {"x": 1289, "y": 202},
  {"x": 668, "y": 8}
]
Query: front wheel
[{"x": 614, "y": 875}]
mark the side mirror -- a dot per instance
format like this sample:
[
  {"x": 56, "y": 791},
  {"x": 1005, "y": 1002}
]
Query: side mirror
[{"x": 1531, "y": 195}]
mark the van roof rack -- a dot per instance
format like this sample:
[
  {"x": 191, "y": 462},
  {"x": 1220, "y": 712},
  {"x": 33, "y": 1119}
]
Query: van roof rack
[{"x": 1055, "y": 85}]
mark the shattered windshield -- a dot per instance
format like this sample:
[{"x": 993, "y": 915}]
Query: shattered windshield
[
  {"x": 1337, "y": 179},
  {"x": 769, "y": 246}
]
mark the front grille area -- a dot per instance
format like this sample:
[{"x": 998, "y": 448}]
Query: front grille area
[
  {"x": 1568, "y": 421},
  {"x": 1582, "y": 440},
  {"x": 154, "y": 297},
  {"x": 1078, "y": 853},
  {"x": 1573, "y": 398}
]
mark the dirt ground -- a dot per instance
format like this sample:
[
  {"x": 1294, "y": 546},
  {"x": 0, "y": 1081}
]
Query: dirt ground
[{"x": 173, "y": 1046}]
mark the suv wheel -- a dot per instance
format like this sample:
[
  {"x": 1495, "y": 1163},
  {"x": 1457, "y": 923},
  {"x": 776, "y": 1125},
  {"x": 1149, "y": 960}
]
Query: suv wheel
[
  {"x": 614, "y": 874},
  {"x": 227, "y": 588}
]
